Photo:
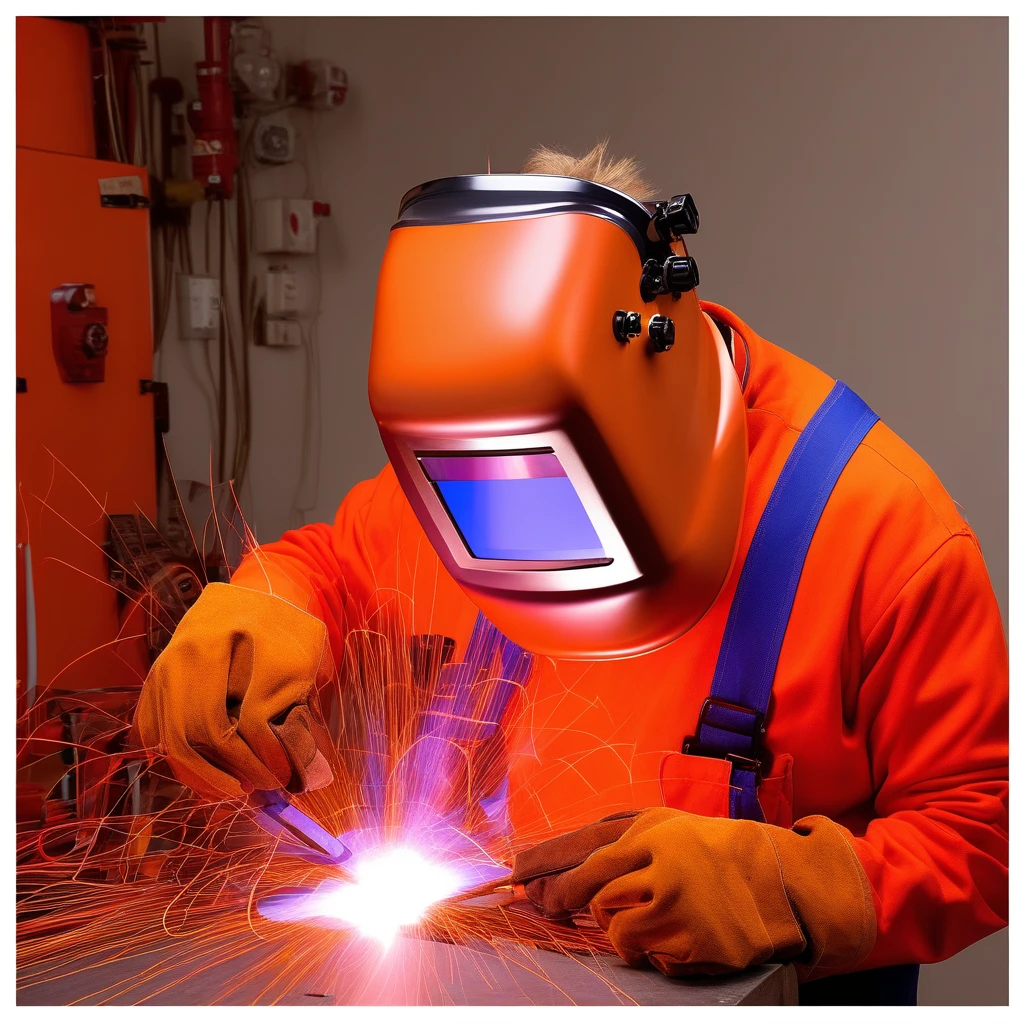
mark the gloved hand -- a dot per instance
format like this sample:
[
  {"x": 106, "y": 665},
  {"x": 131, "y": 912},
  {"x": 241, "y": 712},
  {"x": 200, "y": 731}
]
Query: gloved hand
[
  {"x": 231, "y": 702},
  {"x": 698, "y": 895}
]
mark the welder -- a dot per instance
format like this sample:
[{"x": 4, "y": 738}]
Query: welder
[{"x": 767, "y": 720}]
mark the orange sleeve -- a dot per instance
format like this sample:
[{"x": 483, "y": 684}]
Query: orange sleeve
[
  {"x": 323, "y": 569},
  {"x": 936, "y": 687}
]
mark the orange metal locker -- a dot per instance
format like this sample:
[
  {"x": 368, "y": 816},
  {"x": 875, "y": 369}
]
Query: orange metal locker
[{"x": 82, "y": 449}]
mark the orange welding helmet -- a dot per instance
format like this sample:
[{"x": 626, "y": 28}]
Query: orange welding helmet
[{"x": 562, "y": 416}]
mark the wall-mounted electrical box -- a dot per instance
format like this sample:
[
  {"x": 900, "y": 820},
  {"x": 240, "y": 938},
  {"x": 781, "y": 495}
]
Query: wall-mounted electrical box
[
  {"x": 198, "y": 306},
  {"x": 320, "y": 84},
  {"x": 287, "y": 225},
  {"x": 282, "y": 293},
  {"x": 282, "y": 333}
]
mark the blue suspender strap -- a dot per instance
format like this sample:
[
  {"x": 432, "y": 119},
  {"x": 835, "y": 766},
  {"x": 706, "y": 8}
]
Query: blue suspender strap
[{"x": 732, "y": 719}]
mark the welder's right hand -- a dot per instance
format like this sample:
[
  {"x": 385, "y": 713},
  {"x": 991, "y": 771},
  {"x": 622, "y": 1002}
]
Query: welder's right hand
[{"x": 231, "y": 702}]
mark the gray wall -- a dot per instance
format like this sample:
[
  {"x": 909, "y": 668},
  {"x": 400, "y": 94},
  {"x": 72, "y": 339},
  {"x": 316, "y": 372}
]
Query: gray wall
[{"x": 852, "y": 181}]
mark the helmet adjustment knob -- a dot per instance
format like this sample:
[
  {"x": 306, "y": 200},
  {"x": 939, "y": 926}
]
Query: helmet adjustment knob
[
  {"x": 676, "y": 275},
  {"x": 651, "y": 279},
  {"x": 662, "y": 332},
  {"x": 626, "y": 325},
  {"x": 680, "y": 274},
  {"x": 676, "y": 218}
]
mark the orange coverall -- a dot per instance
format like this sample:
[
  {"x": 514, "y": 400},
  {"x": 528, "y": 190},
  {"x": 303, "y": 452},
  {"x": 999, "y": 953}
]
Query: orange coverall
[{"x": 889, "y": 708}]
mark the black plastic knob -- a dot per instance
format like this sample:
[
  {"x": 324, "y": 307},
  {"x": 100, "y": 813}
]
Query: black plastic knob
[
  {"x": 680, "y": 274},
  {"x": 676, "y": 218},
  {"x": 651, "y": 280},
  {"x": 662, "y": 332},
  {"x": 626, "y": 325},
  {"x": 676, "y": 275}
]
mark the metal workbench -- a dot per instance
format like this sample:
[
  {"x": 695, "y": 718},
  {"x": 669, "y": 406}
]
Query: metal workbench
[{"x": 413, "y": 972}]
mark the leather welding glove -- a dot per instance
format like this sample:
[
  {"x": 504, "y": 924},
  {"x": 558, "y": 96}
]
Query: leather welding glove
[
  {"x": 698, "y": 895},
  {"x": 231, "y": 702}
]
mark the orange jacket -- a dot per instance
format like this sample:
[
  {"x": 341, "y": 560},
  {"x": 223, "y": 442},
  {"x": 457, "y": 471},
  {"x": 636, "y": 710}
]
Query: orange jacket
[{"x": 889, "y": 709}]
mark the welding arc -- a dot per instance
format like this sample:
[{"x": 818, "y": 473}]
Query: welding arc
[{"x": 99, "y": 882}]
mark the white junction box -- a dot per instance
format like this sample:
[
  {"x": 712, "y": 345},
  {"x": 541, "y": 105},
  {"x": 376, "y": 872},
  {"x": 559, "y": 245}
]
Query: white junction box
[
  {"x": 285, "y": 225},
  {"x": 198, "y": 306},
  {"x": 282, "y": 293},
  {"x": 282, "y": 333}
]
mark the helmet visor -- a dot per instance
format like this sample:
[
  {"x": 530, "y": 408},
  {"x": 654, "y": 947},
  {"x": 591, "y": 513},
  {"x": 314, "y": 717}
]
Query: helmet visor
[{"x": 516, "y": 506}]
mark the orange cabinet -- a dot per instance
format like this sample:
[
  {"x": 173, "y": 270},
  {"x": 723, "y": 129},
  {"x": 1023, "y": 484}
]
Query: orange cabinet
[{"x": 83, "y": 449}]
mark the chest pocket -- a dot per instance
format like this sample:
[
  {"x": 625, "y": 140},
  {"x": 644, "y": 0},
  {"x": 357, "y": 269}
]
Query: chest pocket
[{"x": 702, "y": 785}]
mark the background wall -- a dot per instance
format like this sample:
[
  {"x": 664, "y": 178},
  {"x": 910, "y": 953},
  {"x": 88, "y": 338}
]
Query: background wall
[{"x": 851, "y": 176}]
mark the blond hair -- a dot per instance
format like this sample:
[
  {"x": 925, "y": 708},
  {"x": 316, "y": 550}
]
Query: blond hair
[{"x": 624, "y": 173}]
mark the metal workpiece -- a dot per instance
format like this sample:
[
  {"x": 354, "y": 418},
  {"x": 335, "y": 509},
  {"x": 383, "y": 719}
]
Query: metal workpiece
[{"x": 413, "y": 972}]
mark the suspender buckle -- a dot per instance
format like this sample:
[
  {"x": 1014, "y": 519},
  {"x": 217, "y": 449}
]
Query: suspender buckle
[
  {"x": 748, "y": 764},
  {"x": 745, "y": 725}
]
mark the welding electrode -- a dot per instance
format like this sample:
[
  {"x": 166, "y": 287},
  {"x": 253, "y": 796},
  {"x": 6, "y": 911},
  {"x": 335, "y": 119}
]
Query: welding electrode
[{"x": 282, "y": 819}]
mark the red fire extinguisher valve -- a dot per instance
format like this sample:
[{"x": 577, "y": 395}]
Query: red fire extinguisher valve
[{"x": 214, "y": 151}]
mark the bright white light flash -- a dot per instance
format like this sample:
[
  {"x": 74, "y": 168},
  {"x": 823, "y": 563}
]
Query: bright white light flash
[{"x": 393, "y": 888}]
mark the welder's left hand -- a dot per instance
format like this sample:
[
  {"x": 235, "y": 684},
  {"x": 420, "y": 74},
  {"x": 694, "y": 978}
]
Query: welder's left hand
[{"x": 698, "y": 895}]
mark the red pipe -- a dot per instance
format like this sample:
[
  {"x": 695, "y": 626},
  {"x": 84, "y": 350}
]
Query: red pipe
[{"x": 217, "y": 34}]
